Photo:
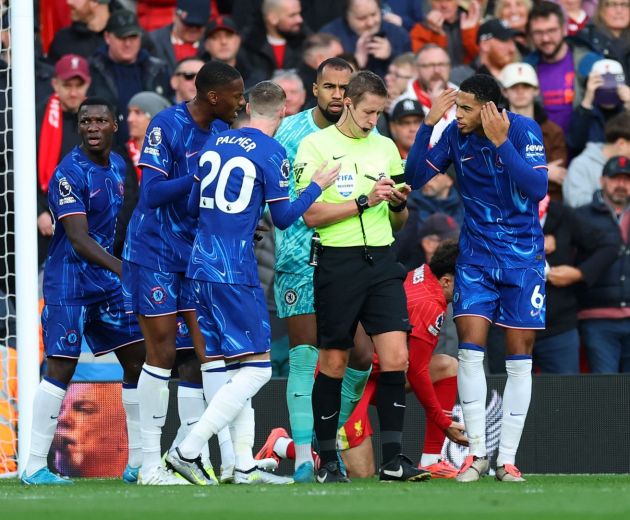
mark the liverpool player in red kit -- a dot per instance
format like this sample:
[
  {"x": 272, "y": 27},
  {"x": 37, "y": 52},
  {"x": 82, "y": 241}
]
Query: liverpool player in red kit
[{"x": 429, "y": 288}]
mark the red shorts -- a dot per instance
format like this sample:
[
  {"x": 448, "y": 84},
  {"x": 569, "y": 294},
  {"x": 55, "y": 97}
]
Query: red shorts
[{"x": 358, "y": 425}]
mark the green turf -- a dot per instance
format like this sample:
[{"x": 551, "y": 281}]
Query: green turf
[{"x": 540, "y": 498}]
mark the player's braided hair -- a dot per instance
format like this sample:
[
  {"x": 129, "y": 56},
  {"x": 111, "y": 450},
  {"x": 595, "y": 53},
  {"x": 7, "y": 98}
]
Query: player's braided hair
[
  {"x": 484, "y": 87},
  {"x": 444, "y": 258},
  {"x": 365, "y": 82},
  {"x": 214, "y": 75}
]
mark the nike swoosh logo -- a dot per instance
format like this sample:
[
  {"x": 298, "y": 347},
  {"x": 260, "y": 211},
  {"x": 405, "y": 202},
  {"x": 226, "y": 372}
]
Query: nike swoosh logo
[
  {"x": 516, "y": 414},
  {"x": 468, "y": 402},
  {"x": 397, "y": 405},
  {"x": 53, "y": 417},
  {"x": 321, "y": 480},
  {"x": 190, "y": 154},
  {"x": 464, "y": 159},
  {"x": 95, "y": 193},
  {"x": 398, "y": 473},
  {"x": 301, "y": 395},
  {"x": 338, "y": 157},
  {"x": 190, "y": 423},
  {"x": 330, "y": 417},
  {"x": 160, "y": 417}
]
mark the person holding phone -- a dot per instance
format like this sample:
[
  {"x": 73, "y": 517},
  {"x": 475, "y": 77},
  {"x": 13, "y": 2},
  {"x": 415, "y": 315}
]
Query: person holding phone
[{"x": 357, "y": 278}]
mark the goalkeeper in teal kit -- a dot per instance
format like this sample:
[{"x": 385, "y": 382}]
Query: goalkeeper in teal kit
[{"x": 501, "y": 170}]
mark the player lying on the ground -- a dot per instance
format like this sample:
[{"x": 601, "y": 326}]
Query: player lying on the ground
[
  {"x": 82, "y": 289},
  {"x": 429, "y": 288},
  {"x": 240, "y": 171}
]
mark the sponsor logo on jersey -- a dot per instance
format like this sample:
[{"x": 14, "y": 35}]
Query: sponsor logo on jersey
[
  {"x": 437, "y": 326},
  {"x": 158, "y": 295},
  {"x": 155, "y": 137},
  {"x": 345, "y": 184},
  {"x": 418, "y": 275},
  {"x": 298, "y": 170},
  {"x": 285, "y": 169},
  {"x": 151, "y": 151},
  {"x": 64, "y": 187},
  {"x": 290, "y": 297}
]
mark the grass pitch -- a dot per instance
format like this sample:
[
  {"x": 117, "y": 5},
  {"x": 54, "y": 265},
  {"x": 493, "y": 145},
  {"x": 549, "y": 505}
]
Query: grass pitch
[{"x": 540, "y": 498}]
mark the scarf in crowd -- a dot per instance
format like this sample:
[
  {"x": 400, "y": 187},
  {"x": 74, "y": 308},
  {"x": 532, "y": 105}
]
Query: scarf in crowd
[
  {"x": 50, "y": 139},
  {"x": 134, "y": 154}
]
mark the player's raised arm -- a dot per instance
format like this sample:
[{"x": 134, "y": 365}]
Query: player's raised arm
[
  {"x": 524, "y": 159},
  {"x": 160, "y": 190},
  {"x": 424, "y": 163}
]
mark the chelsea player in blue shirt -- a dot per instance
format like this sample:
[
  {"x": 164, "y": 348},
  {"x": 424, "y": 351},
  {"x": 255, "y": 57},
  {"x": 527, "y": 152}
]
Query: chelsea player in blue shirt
[
  {"x": 239, "y": 172},
  {"x": 159, "y": 243},
  {"x": 82, "y": 290},
  {"x": 502, "y": 175}
]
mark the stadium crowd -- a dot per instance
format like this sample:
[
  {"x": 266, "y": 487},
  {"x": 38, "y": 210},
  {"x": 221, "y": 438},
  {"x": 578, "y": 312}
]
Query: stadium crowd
[{"x": 564, "y": 65}]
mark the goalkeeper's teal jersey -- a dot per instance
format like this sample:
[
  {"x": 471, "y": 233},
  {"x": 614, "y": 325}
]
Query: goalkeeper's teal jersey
[{"x": 293, "y": 244}]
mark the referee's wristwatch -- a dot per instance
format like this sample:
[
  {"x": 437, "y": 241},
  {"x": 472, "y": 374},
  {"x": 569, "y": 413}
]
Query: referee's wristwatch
[{"x": 362, "y": 203}]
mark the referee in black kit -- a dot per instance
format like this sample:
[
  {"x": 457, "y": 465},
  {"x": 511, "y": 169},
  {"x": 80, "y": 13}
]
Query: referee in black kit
[{"x": 357, "y": 277}]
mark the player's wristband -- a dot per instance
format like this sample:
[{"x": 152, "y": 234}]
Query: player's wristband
[{"x": 397, "y": 209}]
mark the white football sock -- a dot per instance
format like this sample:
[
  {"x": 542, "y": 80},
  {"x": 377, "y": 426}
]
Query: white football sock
[
  {"x": 303, "y": 453},
  {"x": 280, "y": 447},
  {"x": 226, "y": 405},
  {"x": 190, "y": 406},
  {"x": 472, "y": 389},
  {"x": 153, "y": 400},
  {"x": 214, "y": 375},
  {"x": 429, "y": 458},
  {"x": 242, "y": 429},
  {"x": 132, "y": 413},
  {"x": 46, "y": 407},
  {"x": 516, "y": 398}
]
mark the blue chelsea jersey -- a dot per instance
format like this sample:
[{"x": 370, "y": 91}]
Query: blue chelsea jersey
[
  {"x": 240, "y": 171},
  {"x": 81, "y": 187},
  {"x": 501, "y": 226},
  {"x": 162, "y": 238}
]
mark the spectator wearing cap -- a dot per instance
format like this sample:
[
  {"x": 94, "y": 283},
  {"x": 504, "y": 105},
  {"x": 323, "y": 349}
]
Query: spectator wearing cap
[
  {"x": 276, "y": 41},
  {"x": 577, "y": 254},
  {"x": 294, "y": 89},
  {"x": 121, "y": 68},
  {"x": 496, "y": 48},
  {"x": 222, "y": 42},
  {"x": 583, "y": 176},
  {"x": 557, "y": 63},
  {"x": 404, "y": 124},
  {"x": 451, "y": 27},
  {"x": 606, "y": 95},
  {"x": 363, "y": 32},
  {"x": 514, "y": 14},
  {"x": 604, "y": 306},
  {"x": 183, "y": 79},
  {"x": 181, "y": 39},
  {"x": 318, "y": 47},
  {"x": 520, "y": 85},
  {"x": 57, "y": 133},
  {"x": 85, "y": 33},
  {"x": 142, "y": 107},
  {"x": 608, "y": 32}
]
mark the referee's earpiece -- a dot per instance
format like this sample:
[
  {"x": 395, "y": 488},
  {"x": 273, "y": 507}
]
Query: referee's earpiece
[{"x": 366, "y": 130}]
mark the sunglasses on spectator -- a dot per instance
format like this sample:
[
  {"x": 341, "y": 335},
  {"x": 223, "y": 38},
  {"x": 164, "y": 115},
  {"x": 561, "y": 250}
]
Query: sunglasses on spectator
[{"x": 188, "y": 76}]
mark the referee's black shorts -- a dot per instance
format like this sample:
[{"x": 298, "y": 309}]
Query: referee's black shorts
[{"x": 348, "y": 289}]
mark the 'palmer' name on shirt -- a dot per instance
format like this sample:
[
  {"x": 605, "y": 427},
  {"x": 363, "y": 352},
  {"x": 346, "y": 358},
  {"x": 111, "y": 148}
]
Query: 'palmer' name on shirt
[{"x": 244, "y": 142}]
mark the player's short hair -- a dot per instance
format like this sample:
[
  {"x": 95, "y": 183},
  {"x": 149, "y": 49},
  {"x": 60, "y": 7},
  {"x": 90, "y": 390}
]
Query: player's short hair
[
  {"x": 483, "y": 86},
  {"x": 545, "y": 9},
  {"x": 214, "y": 75},
  {"x": 99, "y": 101},
  {"x": 266, "y": 99},
  {"x": 336, "y": 63},
  {"x": 365, "y": 82},
  {"x": 617, "y": 127},
  {"x": 444, "y": 258}
]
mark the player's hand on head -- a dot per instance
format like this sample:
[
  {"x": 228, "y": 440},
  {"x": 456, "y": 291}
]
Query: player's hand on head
[
  {"x": 455, "y": 432},
  {"x": 495, "y": 124},
  {"x": 326, "y": 176},
  {"x": 381, "y": 191},
  {"x": 442, "y": 104},
  {"x": 399, "y": 196}
]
